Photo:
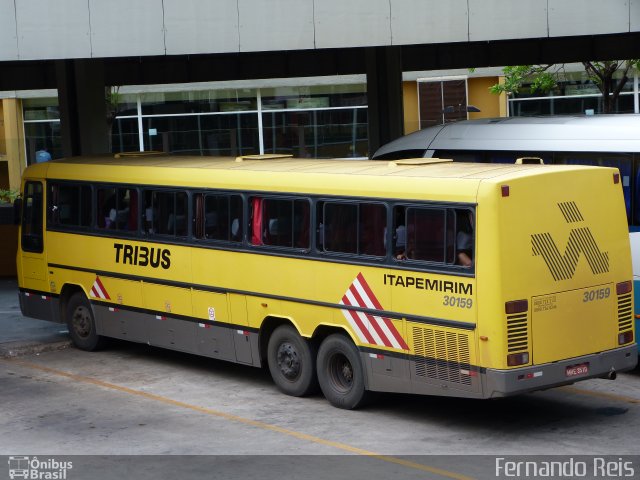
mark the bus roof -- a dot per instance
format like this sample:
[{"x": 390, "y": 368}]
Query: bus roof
[
  {"x": 593, "y": 133},
  {"x": 402, "y": 178}
]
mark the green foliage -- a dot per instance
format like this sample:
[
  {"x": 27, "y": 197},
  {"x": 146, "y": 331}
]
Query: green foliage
[
  {"x": 8, "y": 196},
  {"x": 544, "y": 78},
  {"x": 112, "y": 98},
  {"x": 540, "y": 79}
]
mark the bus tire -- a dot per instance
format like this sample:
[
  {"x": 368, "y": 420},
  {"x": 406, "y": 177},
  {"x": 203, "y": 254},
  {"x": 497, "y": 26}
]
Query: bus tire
[
  {"x": 340, "y": 372},
  {"x": 81, "y": 324},
  {"x": 292, "y": 362}
]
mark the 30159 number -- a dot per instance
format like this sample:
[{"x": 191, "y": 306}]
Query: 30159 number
[
  {"x": 460, "y": 302},
  {"x": 596, "y": 294}
]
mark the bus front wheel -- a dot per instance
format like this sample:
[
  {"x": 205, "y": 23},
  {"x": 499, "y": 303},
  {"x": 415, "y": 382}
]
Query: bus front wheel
[
  {"x": 292, "y": 362},
  {"x": 82, "y": 325},
  {"x": 340, "y": 372}
]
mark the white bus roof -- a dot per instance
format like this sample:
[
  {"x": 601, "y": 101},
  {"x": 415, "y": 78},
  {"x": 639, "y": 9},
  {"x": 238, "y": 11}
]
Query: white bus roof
[{"x": 597, "y": 133}]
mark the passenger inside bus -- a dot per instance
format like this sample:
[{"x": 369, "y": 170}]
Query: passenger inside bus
[
  {"x": 464, "y": 238},
  {"x": 400, "y": 242}
]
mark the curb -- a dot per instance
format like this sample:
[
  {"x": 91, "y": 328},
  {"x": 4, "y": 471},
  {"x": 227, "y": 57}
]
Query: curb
[{"x": 20, "y": 349}]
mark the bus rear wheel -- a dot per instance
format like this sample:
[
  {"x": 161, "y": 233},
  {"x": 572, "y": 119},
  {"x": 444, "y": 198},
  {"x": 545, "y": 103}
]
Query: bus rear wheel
[
  {"x": 292, "y": 362},
  {"x": 81, "y": 324},
  {"x": 340, "y": 372}
]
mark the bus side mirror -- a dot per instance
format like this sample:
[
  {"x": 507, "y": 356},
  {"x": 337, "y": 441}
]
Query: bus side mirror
[{"x": 17, "y": 211}]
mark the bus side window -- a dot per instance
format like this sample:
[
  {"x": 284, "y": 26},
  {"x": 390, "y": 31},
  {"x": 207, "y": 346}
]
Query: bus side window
[
  {"x": 372, "y": 228},
  {"x": 116, "y": 208},
  {"x": 256, "y": 221},
  {"x": 198, "y": 216},
  {"x": 465, "y": 237},
  {"x": 220, "y": 217},
  {"x": 106, "y": 207},
  {"x": 177, "y": 219},
  {"x": 353, "y": 228},
  {"x": 148, "y": 212},
  {"x": 340, "y": 222},
  {"x": 126, "y": 209},
  {"x": 53, "y": 214},
  {"x": 399, "y": 234},
  {"x": 280, "y": 222},
  {"x": 132, "y": 220},
  {"x": 235, "y": 215},
  {"x": 166, "y": 213},
  {"x": 70, "y": 205},
  {"x": 426, "y": 234},
  {"x": 182, "y": 213},
  {"x": 163, "y": 213}
]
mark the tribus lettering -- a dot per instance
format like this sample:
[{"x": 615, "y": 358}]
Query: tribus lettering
[{"x": 142, "y": 256}]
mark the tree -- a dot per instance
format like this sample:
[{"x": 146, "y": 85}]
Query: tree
[{"x": 544, "y": 78}]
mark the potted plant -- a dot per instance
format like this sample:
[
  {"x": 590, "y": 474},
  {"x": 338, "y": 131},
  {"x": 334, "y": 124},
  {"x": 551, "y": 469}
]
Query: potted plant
[
  {"x": 7, "y": 197},
  {"x": 8, "y": 233}
]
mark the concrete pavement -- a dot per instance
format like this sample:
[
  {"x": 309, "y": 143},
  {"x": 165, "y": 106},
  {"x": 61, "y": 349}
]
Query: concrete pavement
[{"x": 20, "y": 335}]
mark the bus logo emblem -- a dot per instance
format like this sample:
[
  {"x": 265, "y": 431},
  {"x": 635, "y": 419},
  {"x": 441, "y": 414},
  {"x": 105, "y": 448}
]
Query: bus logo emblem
[
  {"x": 563, "y": 265},
  {"x": 371, "y": 329}
]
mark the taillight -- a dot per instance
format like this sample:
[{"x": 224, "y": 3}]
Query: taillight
[
  {"x": 625, "y": 337},
  {"x": 516, "y": 306},
  {"x": 516, "y": 359},
  {"x": 624, "y": 287}
]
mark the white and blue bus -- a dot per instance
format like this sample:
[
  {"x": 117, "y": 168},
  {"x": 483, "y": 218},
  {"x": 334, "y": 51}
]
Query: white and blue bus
[{"x": 599, "y": 140}]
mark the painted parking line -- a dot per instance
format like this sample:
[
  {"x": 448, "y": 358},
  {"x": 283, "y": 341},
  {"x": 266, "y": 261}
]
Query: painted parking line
[
  {"x": 608, "y": 396},
  {"x": 246, "y": 421}
]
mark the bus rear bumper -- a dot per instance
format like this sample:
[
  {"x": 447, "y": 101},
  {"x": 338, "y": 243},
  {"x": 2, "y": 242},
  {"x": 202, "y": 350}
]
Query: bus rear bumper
[{"x": 502, "y": 383}]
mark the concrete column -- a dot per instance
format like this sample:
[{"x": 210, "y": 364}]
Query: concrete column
[
  {"x": 83, "y": 111},
  {"x": 384, "y": 95},
  {"x": 14, "y": 140}
]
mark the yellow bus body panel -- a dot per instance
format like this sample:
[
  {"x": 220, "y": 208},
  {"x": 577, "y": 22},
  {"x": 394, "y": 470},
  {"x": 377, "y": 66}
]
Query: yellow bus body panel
[{"x": 555, "y": 237}]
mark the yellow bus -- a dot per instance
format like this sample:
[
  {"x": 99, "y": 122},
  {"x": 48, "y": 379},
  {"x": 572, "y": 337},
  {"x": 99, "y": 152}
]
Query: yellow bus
[{"x": 419, "y": 276}]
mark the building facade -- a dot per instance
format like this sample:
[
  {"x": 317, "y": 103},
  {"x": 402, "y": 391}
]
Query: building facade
[{"x": 318, "y": 117}]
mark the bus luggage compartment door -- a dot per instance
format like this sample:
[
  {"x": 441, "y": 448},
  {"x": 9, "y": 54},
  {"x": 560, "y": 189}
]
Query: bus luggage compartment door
[{"x": 573, "y": 323}]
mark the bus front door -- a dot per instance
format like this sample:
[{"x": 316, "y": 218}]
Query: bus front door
[{"x": 34, "y": 298}]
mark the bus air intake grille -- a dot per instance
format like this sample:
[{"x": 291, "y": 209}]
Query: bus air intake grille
[
  {"x": 441, "y": 355},
  {"x": 517, "y": 333},
  {"x": 625, "y": 312}
]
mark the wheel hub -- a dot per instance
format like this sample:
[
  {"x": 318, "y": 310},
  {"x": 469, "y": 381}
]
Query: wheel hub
[
  {"x": 347, "y": 372},
  {"x": 81, "y": 321},
  {"x": 341, "y": 373},
  {"x": 288, "y": 361}
]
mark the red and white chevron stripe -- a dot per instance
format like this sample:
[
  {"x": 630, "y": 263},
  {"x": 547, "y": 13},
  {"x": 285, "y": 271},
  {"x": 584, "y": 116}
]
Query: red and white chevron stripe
[
  {"x": 98, "y": 290},
  {"x": 370, "y": 329}
]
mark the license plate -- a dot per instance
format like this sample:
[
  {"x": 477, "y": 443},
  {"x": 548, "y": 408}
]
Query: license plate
[{"x": 575, "y": 370}]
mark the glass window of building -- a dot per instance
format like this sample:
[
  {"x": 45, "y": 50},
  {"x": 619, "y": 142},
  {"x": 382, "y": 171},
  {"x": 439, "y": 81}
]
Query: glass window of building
[
  {"x": 575, "y": 93},
  {"x": 42, "y": 129},
  {"x": 315, "y": 121}
]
